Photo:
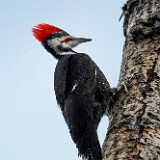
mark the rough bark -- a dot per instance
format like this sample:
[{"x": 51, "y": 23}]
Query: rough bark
[{"x": 134, "y": 130}]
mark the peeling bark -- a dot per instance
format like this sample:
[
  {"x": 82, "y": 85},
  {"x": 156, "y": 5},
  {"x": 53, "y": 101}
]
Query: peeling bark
[{"x": 134, "y": 130}]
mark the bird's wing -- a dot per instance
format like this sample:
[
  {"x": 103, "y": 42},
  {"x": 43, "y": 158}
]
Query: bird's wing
[
  {"x": 60, "y": 79},
  {"x": 74, "y": 73},
  {"x": 75, "y": 88}
]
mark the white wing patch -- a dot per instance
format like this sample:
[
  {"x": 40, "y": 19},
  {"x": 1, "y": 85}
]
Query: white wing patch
[
  {"x": 74, "y": 87},
  {"x": 95, "y": 73}
]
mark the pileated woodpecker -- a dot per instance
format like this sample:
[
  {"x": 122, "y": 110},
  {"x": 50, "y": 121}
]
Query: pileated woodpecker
[{"x": 81, "y": 89}]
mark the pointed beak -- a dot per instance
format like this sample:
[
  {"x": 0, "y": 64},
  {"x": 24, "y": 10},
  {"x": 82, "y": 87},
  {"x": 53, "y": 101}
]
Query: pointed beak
[
  {"x": 74, "y": 41},
  {"x": 82, "y": 40}
]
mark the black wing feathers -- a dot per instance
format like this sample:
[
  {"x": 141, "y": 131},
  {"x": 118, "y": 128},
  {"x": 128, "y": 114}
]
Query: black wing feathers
[{"x": 77, "y": 90}]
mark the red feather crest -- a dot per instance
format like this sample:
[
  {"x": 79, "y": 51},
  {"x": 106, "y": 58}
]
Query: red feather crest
[{"x": 42, "y": 31}]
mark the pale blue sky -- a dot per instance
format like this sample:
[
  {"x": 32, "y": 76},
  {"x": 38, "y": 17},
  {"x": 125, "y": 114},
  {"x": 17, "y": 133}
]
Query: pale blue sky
[{"x": 32, "y": 126}]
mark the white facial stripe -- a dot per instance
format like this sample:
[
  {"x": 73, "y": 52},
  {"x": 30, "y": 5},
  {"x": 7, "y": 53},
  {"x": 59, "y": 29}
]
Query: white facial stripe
[
  {"x": 53, "y": 43},
  {"x": 57, "y": 42}
]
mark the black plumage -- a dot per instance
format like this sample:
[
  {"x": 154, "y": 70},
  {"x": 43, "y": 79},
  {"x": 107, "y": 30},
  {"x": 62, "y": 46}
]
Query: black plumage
[{"x": 83, "y": 94}]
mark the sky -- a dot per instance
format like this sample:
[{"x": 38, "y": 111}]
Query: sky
[{"x": 31, "y": 123}]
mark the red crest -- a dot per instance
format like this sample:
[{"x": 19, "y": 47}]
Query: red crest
[{"x": 42, "y": 31}]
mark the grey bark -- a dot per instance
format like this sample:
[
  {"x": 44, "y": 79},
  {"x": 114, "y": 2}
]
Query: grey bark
[{"x": 134, "y": 125}]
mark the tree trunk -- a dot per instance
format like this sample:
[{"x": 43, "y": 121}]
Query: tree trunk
[{"x": 134, "y": 129}]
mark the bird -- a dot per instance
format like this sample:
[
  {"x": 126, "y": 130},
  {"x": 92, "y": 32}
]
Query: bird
[{"x": 82, "y": 91}]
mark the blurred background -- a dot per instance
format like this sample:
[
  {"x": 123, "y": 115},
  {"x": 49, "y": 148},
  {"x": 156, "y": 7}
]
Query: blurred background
[{"x": 32, "y": 126}]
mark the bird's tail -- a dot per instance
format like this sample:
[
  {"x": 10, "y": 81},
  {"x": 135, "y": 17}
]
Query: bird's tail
[
  {"x": 78, "y": 113},
  {"x": 88, "y": 145}
]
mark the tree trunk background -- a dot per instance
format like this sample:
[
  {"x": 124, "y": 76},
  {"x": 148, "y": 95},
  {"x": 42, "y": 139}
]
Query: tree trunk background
[{"x": 134, "y": 125}]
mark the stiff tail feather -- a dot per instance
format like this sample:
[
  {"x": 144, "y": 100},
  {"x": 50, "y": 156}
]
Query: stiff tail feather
[{"x": 88, "y": 145}]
